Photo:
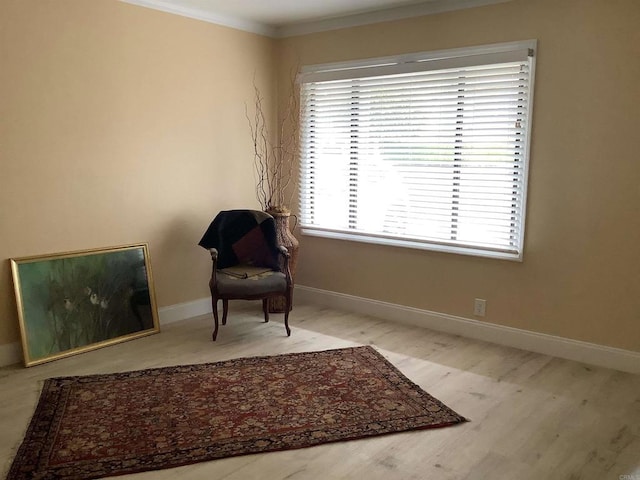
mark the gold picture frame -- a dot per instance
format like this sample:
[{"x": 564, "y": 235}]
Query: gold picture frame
[{"x": 74, "y": 302}]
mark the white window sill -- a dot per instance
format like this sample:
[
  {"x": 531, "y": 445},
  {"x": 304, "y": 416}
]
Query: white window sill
[{"x": 404, "y": 243}]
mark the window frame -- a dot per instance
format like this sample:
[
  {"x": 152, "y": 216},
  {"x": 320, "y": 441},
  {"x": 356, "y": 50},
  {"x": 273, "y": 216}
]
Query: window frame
[{"x": 410, "y": 63}]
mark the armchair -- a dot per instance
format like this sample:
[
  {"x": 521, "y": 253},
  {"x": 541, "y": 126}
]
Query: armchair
[{"x": 247, "y": 263}]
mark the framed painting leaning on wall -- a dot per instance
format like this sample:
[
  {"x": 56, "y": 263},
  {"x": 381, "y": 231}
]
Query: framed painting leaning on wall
[{"x": 73, "y": 302}]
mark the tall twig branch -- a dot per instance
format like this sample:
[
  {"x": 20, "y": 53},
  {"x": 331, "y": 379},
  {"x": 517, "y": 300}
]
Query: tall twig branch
[{"x": 274, "y": 156}]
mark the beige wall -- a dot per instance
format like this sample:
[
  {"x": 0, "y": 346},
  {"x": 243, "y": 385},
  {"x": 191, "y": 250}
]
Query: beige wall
[
  {"x": 580, "y": 277},
  {"x": 120, "y": 124}
]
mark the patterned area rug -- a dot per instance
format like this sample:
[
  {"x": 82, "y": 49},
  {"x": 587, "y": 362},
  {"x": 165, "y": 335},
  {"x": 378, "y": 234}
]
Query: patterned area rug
[{"x": 101, "y": 425}]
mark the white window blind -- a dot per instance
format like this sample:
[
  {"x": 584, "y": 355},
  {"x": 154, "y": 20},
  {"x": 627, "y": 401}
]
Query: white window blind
[{"x": 427, "y": 150}]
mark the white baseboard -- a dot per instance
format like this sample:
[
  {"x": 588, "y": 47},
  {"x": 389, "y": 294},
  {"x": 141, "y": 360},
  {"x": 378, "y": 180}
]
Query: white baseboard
[
  {"x": 182, "y": 311},
  {"x": 10, "y": 354},
  {"x": 594, "y": 354},
  {"x": 609, "y": 357}
]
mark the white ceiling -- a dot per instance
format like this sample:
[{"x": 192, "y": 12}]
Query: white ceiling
[
  {"x": 279, "y": 18},
  {"x": 283, "y": 12}
]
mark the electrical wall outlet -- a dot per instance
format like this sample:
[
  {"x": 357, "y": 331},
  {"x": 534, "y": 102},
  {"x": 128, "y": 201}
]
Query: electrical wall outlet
[{"x": 479, "y": 307}]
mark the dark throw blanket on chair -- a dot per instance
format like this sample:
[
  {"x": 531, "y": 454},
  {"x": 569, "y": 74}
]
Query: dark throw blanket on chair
[{"x": 243, "y": 236}]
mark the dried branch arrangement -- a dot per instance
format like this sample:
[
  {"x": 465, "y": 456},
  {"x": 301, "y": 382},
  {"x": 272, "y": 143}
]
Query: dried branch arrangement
[{"x": 275, "y": 153}]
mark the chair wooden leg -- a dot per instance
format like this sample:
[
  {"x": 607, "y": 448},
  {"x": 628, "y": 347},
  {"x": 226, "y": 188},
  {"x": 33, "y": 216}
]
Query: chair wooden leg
[
  {"x": 214, "y": 303},
  {"x": 265, "y": 309},
  {"x": 225, "y": 310},
  {"x": 286, "y": 314},
  {"x": 286, "y": 323}
]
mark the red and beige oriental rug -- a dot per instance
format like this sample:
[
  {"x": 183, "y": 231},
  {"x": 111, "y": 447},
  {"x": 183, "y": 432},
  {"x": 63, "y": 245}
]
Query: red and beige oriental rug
[{"x": 102, "y": 425}]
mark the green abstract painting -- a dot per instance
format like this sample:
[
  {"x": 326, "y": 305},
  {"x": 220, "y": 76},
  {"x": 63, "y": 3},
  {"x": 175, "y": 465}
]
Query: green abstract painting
[{"x": 73, "y": 302}]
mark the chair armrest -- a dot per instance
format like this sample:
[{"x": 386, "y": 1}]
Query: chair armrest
[
  {"x": 282, "y": 250},
  {"x": 214, "y": 255}
]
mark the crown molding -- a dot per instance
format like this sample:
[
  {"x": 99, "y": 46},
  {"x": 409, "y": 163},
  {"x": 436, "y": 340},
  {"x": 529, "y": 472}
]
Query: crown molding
[
  {"x": 429, "y": 7},
  {"x": 398, "y": 13},
  {"x": 206, "y": 16}
]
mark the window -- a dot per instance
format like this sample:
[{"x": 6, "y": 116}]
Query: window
[{"x": 424, "y": 150}]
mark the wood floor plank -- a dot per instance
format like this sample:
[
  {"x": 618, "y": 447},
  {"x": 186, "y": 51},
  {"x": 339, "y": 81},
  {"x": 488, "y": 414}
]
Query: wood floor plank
[{"x": 532, "y": 416}]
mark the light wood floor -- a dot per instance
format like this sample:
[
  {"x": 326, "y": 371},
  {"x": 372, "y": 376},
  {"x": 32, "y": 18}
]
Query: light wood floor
[{"x": 532, "y": 416}]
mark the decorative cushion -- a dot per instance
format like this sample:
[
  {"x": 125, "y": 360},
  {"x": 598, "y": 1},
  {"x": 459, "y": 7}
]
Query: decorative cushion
[{"x": 253, "y": 249}]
